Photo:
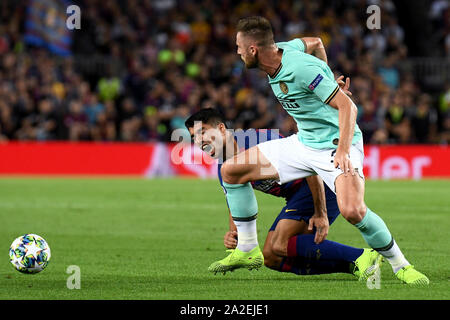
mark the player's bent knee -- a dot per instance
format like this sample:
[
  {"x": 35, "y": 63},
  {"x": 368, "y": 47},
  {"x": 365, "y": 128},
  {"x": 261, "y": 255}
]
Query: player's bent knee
[
  {"x": 271, "y": 264},
  {"x": 226, "y": 171},
  {"x": 271, "y": 261},
  {"x": 353, "y": 213},
  {"x": 268, "y": 261},
  {"x": 231, "y": 174},
  {"x": 279, "y": 248}
]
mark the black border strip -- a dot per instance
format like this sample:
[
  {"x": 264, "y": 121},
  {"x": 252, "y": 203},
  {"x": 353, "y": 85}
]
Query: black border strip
[
  {"x": 389, "y": 246},
  {"x": 245, "y": 219},
  {"x": 223, "y": 309}
]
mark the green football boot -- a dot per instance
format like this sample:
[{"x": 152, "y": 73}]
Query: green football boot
[
  {"x": 409, "y": 275},
  {"x": 253, "y": 259},
  {"x": 367, "y": 264}
]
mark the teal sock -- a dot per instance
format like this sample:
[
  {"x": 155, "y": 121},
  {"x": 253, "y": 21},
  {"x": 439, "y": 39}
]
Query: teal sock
[
  {"x": 374, "y": 231},
  {"x": 241, "y": 201},
  {"x": 244, "y": 208}
]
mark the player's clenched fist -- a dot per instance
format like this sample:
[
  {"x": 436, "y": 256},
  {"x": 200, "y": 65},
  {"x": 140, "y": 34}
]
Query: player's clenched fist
[{"x": 230, "y": 239}]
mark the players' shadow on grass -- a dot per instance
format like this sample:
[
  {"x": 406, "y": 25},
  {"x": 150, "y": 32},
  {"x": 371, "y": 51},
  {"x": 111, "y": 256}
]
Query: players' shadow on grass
[
  {"x": 318, "y": 279},
  {"x": 240, "y": 278}
]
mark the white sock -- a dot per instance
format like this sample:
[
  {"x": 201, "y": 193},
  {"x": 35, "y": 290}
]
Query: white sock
[
  {"x": 247, "y": 235},
  {"x": 395, "y": 257}
]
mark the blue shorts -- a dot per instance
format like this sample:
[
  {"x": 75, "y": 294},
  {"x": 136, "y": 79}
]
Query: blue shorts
[{"x": 301, "y": 207}]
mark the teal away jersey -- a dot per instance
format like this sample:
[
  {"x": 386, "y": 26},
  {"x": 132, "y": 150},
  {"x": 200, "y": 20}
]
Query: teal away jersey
[{"x": 304, "y": 86}]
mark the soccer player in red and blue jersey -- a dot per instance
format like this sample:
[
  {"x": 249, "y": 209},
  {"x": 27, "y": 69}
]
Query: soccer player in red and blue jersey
[{"x": 296, "y": 241}]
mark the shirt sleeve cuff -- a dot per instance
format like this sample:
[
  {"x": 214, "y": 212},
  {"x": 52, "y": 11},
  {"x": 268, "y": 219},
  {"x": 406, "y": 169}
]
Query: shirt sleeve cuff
[{"x": 331, "y": 96}]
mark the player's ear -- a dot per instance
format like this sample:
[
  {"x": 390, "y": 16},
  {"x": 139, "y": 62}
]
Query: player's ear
[{"x": 221, "y": 126}]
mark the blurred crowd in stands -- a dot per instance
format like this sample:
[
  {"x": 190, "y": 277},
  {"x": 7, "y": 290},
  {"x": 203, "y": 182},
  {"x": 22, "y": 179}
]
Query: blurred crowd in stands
[{"x": 164, "y": 59}]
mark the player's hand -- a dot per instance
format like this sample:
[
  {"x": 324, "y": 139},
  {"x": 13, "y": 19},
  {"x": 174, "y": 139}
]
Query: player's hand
[
  {"x": 342, "y": 160},
  {"x": 230, "y": 239},
  {"x": 344, "y": 85},
  {"x": 322, "y": 226}
]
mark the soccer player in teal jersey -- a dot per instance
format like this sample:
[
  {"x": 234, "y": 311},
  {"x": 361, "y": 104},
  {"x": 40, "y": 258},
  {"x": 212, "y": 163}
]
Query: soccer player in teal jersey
[{"x": 329, "y": 142}]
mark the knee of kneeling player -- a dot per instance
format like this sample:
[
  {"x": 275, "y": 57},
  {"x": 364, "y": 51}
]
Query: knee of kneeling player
[
  {"x": 353, "y": 213},
  {"x": 229, "y": 174},
  {"x": 279, "y": 248},
  {"x": 271, "y": 261}
]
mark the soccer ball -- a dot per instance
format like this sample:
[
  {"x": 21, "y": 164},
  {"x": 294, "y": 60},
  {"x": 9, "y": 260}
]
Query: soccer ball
[{"x": 29, "y": 253}]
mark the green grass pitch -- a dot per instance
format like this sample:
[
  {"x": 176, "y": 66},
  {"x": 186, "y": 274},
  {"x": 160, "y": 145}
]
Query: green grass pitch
[{"x": 154, "y": 239}]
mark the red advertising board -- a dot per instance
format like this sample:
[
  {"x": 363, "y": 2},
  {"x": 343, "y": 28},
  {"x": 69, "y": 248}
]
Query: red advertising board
[
  {"x": 406, "y": 161},
  {"x": 159, "y": 159},
  {"x": 75, "y": 158}
]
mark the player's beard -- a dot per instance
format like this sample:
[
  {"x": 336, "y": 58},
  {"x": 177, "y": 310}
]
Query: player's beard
[{"x": 253, "y": 62}]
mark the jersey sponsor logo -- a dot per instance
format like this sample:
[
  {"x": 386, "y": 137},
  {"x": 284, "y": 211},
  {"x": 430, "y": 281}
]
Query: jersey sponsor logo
[
  {"x": 283, "y": 87},
  {"x": 288, "y": 103},
  {"x": 315, "y": 82}
]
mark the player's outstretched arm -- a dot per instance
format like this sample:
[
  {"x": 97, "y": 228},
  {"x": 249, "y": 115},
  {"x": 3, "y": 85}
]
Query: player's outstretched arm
[{"x": 315, "y": 47}]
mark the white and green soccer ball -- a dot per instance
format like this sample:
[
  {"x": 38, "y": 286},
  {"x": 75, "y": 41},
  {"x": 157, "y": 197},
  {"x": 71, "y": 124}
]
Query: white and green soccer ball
[{"x": 29, "y": 253}]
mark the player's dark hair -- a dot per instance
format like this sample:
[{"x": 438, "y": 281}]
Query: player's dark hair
[
  {"x": 258, "y": 28},
  {"x": 208, "y": 115}
]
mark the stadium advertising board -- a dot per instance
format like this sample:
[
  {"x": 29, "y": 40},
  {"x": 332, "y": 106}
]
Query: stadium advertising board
[{"x": 159, "y": 159}]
